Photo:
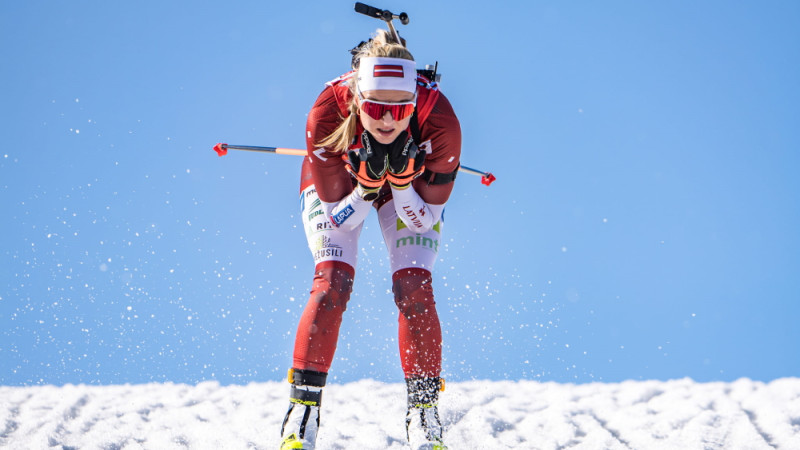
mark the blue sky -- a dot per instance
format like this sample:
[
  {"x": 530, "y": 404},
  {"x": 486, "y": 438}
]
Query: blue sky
[{"x": 643, "y": 225}]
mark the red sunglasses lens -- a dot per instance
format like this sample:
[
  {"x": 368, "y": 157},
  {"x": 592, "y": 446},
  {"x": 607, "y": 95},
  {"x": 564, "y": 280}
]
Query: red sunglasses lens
[{"x": 378, "y": 110}]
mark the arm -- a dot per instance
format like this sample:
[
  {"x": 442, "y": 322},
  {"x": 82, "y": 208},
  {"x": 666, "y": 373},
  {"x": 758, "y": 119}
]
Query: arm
[
  {"x": 420, "y": 205},
  {"x": 343, "y": 205},
  {"x": 331, "y": 180}
]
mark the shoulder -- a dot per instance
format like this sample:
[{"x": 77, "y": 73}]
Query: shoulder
[
  {"x": 324, "y": 115},
  {"x": 432, "y": 103},
  {"x": 336, "y": 94},
  {"x": 441, "y": 136},
  {"x": 331, "y": 104},
  {"x": 340, "y": 89},
  {"x": 440, "y": 118},
  {"x": 427, "y": 95}
]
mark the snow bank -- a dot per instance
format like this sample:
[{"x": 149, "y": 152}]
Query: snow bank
[{"x": 678, "y": 414}]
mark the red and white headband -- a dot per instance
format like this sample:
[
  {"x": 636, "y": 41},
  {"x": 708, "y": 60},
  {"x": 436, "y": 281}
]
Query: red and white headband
[{"x": 387, "y": 73}]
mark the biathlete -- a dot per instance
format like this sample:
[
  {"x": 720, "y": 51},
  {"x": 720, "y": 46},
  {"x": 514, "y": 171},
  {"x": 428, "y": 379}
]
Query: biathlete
[{"x": 383, "y": 137}]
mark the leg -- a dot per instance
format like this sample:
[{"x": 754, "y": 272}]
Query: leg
[
  {"x": 334, "y": 253},
  {"x": 412, "y": 258},
  {"x": 318, "y": 330},
  {"x": 420, "y": 334}
]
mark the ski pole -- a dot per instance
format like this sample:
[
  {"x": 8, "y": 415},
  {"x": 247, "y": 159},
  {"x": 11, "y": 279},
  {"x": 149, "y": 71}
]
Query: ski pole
[{"x": 222, "y": 149}]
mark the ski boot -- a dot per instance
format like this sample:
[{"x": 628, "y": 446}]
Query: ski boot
[
  {"x": 423, "y": 427},
  {"x": 301, "y": 424}
]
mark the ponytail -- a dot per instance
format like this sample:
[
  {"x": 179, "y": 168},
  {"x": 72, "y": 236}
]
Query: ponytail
[{"x": 341, "y": 138}]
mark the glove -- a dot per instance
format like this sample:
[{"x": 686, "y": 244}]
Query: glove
[
  {"x": 406, "y": 161},
  {"x": 368, "y": 165}
]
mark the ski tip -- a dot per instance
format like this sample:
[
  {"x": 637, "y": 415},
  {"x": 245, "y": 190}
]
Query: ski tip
[
  {"x": 221, "y": 149},
  {"x": 488, "y": 179}
]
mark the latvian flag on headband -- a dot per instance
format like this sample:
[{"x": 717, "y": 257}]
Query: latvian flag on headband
[
  {"x": 387, "y": 73},
  {"x": 387, "y": 70}
]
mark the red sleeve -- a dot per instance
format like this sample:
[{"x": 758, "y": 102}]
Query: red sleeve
[
  {"x": 331, "y": 180},
  {"x": 444, "y": 131}
]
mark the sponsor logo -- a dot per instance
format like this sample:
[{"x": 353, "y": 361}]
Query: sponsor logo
[
  {"x": 327, "y": 252},
  {"x": 322, "y": 226},
  {"x": 318, "y": 227},
  {"x": 343, "y": 215},
  {"x": 387, "y": 70},
  {"x": 418, "y": 240},
  {"x": 303, "y": 197},
  {"x": 324, "y": 248},
  {"x": 412, "y": 216},
  {"x": 315, "y": 208}
]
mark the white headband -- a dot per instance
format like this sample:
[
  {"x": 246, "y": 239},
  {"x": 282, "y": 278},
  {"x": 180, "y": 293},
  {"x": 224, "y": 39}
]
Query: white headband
[{"x": 387, "y": 73}]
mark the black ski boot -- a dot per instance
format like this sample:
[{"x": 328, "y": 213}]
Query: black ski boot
[
  {"x": 423, "y": 426},
  {"x": 300, "y": 427}
]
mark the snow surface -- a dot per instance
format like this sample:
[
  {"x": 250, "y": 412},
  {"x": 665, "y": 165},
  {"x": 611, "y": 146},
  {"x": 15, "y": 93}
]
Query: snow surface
[{"x": 677, "y": 414}]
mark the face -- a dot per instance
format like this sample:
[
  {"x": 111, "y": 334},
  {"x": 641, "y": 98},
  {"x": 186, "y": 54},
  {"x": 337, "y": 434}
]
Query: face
[{"x": 386, "y": 129}]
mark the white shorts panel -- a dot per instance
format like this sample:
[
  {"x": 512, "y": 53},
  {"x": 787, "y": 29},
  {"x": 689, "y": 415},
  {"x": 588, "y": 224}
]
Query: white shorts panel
[
  {"x": 406, "y": 248},
  {"x": 326, "y": 242}
]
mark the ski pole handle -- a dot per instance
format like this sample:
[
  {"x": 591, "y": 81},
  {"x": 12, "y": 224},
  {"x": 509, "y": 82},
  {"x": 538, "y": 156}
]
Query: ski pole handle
[{"x": 222, "y": 149}]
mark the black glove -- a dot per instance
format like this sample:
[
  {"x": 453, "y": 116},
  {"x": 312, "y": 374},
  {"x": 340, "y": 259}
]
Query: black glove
[
  {"x": 406, "y": 161},
  {"x": 368, "y": 165}
]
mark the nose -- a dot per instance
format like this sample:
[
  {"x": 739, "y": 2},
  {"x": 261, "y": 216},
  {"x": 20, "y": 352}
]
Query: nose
[{"x": 387, "y": 118}]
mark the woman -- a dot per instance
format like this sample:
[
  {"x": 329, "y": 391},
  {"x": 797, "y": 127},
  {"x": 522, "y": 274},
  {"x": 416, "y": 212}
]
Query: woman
[{"x": 380, "y": 136}]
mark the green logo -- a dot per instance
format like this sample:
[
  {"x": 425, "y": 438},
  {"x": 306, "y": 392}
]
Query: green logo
[
  {"x": 313, "y": 207},
  {"x": 419, "y": 240}
]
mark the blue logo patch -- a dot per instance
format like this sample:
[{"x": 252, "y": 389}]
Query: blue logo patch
[{"x": 343, "y": 215}]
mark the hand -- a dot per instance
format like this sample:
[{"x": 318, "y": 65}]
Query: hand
[
  {"x": 368, "y": 164},
  {"x": 406, "y": 161}
]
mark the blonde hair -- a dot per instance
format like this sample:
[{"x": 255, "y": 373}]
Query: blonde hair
[{"x": 381, "y": 45}]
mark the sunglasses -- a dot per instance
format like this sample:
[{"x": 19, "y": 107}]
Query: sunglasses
[{"x": 377, "y": 110}]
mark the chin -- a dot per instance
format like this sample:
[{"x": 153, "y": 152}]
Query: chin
[
  {"x": 387, "y": 141},
  {"x": 384, "y": 138}
]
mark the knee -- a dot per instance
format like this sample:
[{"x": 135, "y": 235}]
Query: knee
[
  {"x": 332, "y": 286},
  {"x": 413, "y": 292}
]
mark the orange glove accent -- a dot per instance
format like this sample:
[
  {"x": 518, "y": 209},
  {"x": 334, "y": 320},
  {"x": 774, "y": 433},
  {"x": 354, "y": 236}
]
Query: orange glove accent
[{"x": 406, "y": 161}]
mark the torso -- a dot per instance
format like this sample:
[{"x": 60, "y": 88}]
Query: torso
[{"x": 440, "y": 133}]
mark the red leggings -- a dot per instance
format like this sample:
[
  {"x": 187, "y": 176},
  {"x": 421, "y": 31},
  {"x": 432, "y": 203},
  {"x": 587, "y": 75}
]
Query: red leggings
[{"x": 420, "y": 335}]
